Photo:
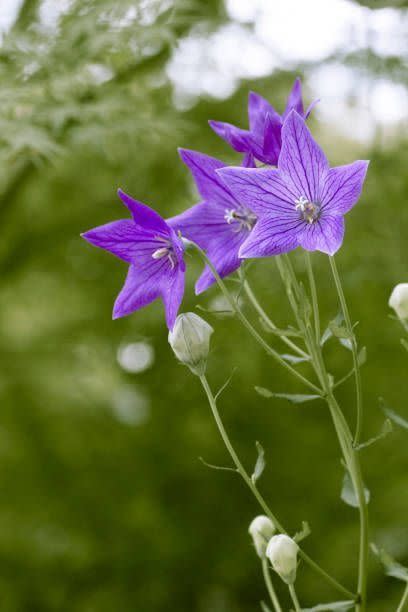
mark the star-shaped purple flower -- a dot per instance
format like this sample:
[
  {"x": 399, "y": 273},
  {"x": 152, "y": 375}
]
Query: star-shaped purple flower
[
  {"x": 220, "y": 223},
  {"x": 263, "y": 139},
  {"x": 154, "y": 253},
  {"x": 301, "y": 202}
]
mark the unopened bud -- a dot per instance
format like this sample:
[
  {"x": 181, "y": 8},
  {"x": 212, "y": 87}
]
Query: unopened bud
[
  {"x": 261, "y": 530},
  {"x": 282, "y": 553},
  {"x": 399, "y": 300},
  {"x": 190, "y": 341}
]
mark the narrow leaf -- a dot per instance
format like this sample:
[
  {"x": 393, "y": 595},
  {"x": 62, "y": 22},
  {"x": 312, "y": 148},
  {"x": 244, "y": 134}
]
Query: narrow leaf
[
  {"x": 348, "y": 494},
  {"x": 394, "y": 416},
  {"x": 335, "y": 606},
  {"x": 294, "y": 358},
  {"x": 217, "y": 467},
  {"x": 295, "y": 398},
  {"x": 260, "y": 463},
  {"x": 392, "y": 567},
  {"x": 404, "y": 343},
  {"x": 265, "y": 607},
  {"x": 328, "y": 333},
  {"x": 340, "y": 331},
  {"x": 303, "y": 533},
  {"x": 362, "y": 356}
]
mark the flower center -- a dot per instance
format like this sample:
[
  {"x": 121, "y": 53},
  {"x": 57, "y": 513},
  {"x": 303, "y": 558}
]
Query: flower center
[
  {"x": 244, "y": 218},
  {"x": 309, "y": 211},
  {"x": 165, "y": 251}
]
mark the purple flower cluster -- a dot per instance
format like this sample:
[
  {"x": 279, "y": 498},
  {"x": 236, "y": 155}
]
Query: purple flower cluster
[{"x": 244, "y": 212}]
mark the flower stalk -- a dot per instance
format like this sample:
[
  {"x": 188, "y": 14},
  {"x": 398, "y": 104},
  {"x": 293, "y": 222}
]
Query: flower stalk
[{"x": 269, "y": 586}]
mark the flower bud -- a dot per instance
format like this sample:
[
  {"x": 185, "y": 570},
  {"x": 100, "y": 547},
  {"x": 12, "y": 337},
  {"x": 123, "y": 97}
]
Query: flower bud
[
  {"x": 282, "y": 553},
  {"x": 399, "y": 300},
  {"x": 190, "y": 341},
  {"x": 261, "y": 530}
]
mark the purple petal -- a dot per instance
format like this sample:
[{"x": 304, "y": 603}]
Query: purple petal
[
  {"x": 263, "y": 190},
  {"x": 122, "y": 238},
  {"x": 142, "y": 286},
  {"x": 223, "y": 254},
  {"x": 295, "y": 101},
  {"x": 342, "y": 187},
  {"x": 237, "y": 138},
  {"x": 201, "y": 223},
  {"x": 248, "y": 161},
  {"x": 210, "y": 186},
  {"x": 172, "y": 295},
  {"x": 272, "y": 139},
  {"x": 272, "y": 236},
  {"x": 258, "y": 110},
  {"x": 143, "y": 215},
  {"x": 301, "y": 160},
  {"x": 326, "y": 234}
]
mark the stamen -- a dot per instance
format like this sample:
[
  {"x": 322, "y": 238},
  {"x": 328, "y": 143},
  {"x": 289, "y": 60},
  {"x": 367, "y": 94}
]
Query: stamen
[
  {"x": 162, "y": 252},
  {"x": 166, "y": 251},
  {"x": 310, "y": 211},
  {"x": 244, "y": 218}
]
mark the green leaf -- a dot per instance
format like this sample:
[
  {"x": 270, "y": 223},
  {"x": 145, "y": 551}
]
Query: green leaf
[
  {"x": 295, "y": 398},
  {"x": 303, "y": 533},
  {"x": 328, "y": 333},
  {"x": 335, "y": 606},
  {"x": 362, "y": 356},
  {"x": 260, "y": 463},
  {"x": 394, "y": 416},
  {"x": 348, "y": 494},
  {"x": 386, "y": 429},
  {"x": 392, "y": 567},
  {"x": 340, "y": 331},
  {"x": 294, "y": 358},
  {"x": 289, "y": 331}
]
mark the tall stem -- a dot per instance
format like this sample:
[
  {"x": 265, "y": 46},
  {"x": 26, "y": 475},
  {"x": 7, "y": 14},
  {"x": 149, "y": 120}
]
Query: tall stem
[
  {"x": 269, "y": 585},
  {"x": 350, "y": 454},
  {"x": 244, "y": 474},
  {"x": 271, "y": 351},
  {"x": 359, "y": 394},
  {"x": 404, "y": 600},
  {"x": 294, "y": 598}
]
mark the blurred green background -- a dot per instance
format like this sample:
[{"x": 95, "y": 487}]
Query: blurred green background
[{"x": 104, "y": 505}]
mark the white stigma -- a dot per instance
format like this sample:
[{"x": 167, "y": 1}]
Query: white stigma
[
  {"x": 310, "y": 211},
  {"x": 166, "y": 251}
]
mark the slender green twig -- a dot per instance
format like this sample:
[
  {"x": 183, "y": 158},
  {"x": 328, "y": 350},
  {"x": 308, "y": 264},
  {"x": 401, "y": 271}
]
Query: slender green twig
[
  {"x": 268, "y": 321},
  {"x": 294, "y": 598},
  {"x": 269, "y": 586},
  {"x": 244, "y": 474},
  {"x": 271, "y": 351},
  {"x": 404, "y": 600},
  {"x": 313, "y": 291},
  {"x": 343, "y": 303}
]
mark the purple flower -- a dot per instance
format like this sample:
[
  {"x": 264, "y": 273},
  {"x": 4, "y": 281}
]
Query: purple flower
[
  {"x": 263, "y": 139},
  {"x": 219, "y": 224},
  {"x": 301, "y": 202},
  {"x": 155, "y": 256}
]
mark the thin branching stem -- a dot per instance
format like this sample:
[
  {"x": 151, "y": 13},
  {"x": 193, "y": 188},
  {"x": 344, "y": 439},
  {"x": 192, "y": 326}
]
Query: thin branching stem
[
  {"x": 293, "y": 595},
  {"x": 404, "y": 600},
  {"x": 313, "y": 291},
  {"x": 245, "y": 476}
]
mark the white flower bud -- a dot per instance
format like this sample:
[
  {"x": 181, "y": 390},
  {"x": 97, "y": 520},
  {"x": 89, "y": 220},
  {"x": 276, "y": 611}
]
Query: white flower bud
[
  {"x": 282, "y": 553},
  {"x": 190, "y": 341},
  {"x": 399, "y": 300},
  {"x": 261, "y": 530}
]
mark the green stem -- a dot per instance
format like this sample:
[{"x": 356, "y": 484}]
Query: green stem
[
  {"x": 244, "y": 474},
  {"x": 340, "y": 292},
  {"x": 294, "y": 598},
  {"x": 350, "y": 454},
  {"x": 269, "y": 586},
  {"x": 267, "y": 320},
  {"x": 271, "y": 351},
  {"x": 404, "y": 600},
  {"x": 313, "y": 291}
]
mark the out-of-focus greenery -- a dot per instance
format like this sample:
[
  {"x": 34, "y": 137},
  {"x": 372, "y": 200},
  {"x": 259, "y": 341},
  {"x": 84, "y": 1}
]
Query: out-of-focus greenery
[{"x": 104, "y": 505}]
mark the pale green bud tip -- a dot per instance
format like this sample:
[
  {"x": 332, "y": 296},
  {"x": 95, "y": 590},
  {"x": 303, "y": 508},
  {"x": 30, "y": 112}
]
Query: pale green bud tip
[
  {"x": 261, "y": 530},
  {"x": 282, "y": 553},
  {"x": 399, "y": 300},
  {"x": 190, "y": 341}
]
